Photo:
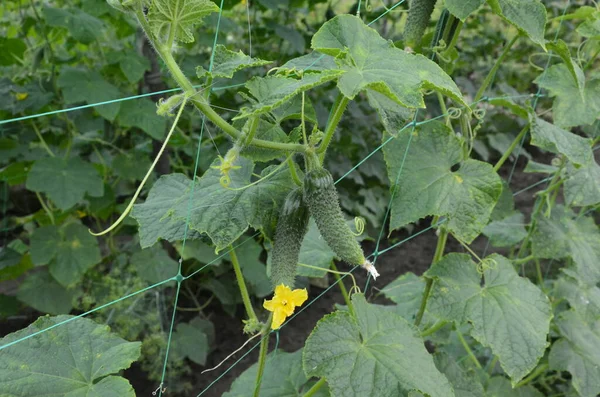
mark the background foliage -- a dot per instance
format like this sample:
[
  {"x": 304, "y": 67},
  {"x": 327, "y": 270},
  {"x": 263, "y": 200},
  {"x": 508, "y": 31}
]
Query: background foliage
[{"x": 525, "y": 316}]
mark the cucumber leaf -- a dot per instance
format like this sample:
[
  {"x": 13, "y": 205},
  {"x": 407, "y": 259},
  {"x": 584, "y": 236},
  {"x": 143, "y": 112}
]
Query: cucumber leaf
[
  {"x": 78, "y": 358},
  {"x": 376, "y": 342},
  {"x": 227, "y": 62},
  {"x": 578, "y": 352},
  {"x": 508, "y": 313},
  {"x": 222, "y": 213},
  {"x": 65, "y": 181},
  {"x": 370, "y": 61},
  {"x": 178, "y": 16},
  {"x": 466, "y": 196}
]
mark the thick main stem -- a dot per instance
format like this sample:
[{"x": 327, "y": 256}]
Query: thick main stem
[
  {"x": 439, "y": 252},
  {"x": 492, "y": 73},
  {"x": 204, "y": 107},
  {"x": 242, "y": 284},
  {"x": 262, "y": 356}
]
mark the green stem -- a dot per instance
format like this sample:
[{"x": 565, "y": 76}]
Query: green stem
[
  {"x": 249, "y": 136},
  {"x": 334, "y": 119},
  {"x": 311, "y": 392},
  {"x": 444, "y": 108},
  {"x": 591, "y": 60},
  {"x": 538, "y": 371},
  {"x": 242, "y": 284},
  {"x": 492, "y": 365},
  {"x": 201, "y": 105},
  {"x": 492, "y": 73},
  {"x": 523, "y": 260},
  {"x": 342, "y": 288},
  {"x": 262, "y": 355},
  {"x": 512, "y": 147},
  {"x": 537, "y": 208},
  {"x": 46, "y": 208},
  {"x": 41, "y": 138},
  {"x": 293, "y": 171},
  {"x": 468, "y": 349},
  {"x": 439, "y": 252},
  {"x": 538, "y": 271},
  {"x": 434, "y": 328}
]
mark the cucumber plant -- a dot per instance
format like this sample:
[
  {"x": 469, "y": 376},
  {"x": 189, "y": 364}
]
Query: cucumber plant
[{"x": 519, "y": 318}]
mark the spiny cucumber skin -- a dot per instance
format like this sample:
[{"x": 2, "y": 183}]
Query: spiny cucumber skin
[
  {"x": 291, "y": 229},
  {"x": 323, "y": 202},
  {"x": 419, "y": 15}
]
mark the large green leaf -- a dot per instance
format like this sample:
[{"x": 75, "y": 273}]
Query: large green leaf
[
  {"x": 90, "y": 87},
  {"x": 407, "y": 292},
  {"x": 581, "y": 184},
  {"x": 556, "y": 140},
  {"x": 165, "y": 193},
  {"x": 464, "y": 384},
  {"x": 506, "y": 232},
  {"x": 430, "y": 187},
  {"x": 76, "y": 359},
  {"x": 65, "y": 181},
  {"x": 272, "y": 91},
  {"x": 69, "y": 250},
  {"x": 11, "y": 50},
  {"x": 227, "y": 62},
  {"x": 82, "y": 27},
  {"x": 499, "y": 386},
  {"x": 43, "y": 293},
  {"x": 134, "y": 66},
  {"x": 154, "y": 264},
  {"x": 374, "y": 353},
  {"x": 177, "y": 18},
  {"x": 508, "y": 313},
  {"x": 370, "y": 61},
  {"x": 283, "y": 377},
  {"x": 582, "y": 297},
  {"x": 578, "y": 352},
  {"x": 529, "y": 16},
  {"x": 223, "y": 213},
  {"x": 572, "y": 106},
  {"x": 141, "y": 113},
  {"x": 314, "y": 252},
  {"x": 190, "y": 340},
  {"x": 463, "y": 8},
  {"x": 565, "y": 234}
]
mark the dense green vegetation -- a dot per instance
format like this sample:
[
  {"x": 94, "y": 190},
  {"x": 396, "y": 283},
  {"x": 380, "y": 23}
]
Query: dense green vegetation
[{"x": 165, "y": 163}]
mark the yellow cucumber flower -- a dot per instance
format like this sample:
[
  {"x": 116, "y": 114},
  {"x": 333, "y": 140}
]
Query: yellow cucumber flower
[{"x": 283, "y": 303}]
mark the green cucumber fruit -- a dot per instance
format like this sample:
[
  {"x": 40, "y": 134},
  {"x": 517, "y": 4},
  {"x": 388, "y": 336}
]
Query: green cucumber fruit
[
  {"x": 291, "y": 229},
  {"x": 419, "y": 15},
  {"x": 323, "y": 203}
]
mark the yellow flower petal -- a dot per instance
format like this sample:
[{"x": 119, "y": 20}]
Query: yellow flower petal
[
  {"x": 280, "y": 290},
  {"x": 278, "y": 319},
  {"x": 269, "y": 305},
  {"x": 299, "y": 296}
]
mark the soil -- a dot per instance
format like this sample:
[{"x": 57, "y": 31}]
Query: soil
[{"x": 413, "y": 256}]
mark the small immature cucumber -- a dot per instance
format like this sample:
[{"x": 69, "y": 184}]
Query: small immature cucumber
[
  {"x": 418, "y": 18},
  {"x": 291, "y": 228},
  {"x": 323, "y": 202}
]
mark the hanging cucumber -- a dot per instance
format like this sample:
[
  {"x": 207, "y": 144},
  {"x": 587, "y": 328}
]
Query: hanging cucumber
[
  {"x": 322, "y": 201},
  {"x": 419, "y": 15},
  {"x": 291, "y": 228}
]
